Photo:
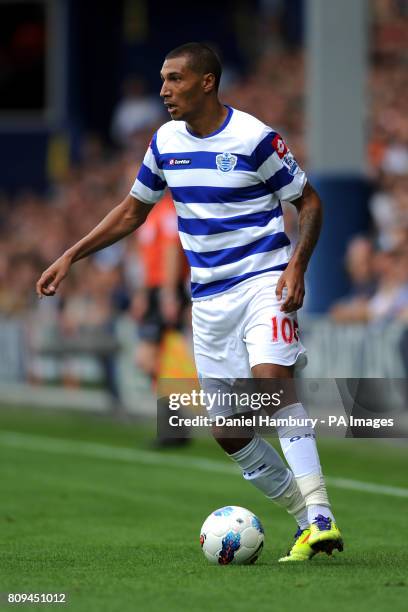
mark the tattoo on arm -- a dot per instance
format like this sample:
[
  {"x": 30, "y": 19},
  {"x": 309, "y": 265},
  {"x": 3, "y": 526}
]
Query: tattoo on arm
[{"x": 310, "y": 223}]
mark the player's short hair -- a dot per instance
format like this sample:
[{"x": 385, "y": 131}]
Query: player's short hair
[{"x": 202, "y": 59}]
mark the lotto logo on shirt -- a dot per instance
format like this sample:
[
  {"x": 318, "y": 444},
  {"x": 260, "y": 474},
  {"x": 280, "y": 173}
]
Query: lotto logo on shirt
[
  {"x": 280, "y": 146},
  {"x": 179, "y": 162}
]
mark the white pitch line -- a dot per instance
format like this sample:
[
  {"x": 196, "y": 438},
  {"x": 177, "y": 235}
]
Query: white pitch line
[
  {"x": 366, "y": 487},
  {"x": 103, "y": 451}
]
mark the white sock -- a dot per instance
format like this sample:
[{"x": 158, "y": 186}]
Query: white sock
[
  {"x": 302, "y": 518},
  {"x": 314, "y": 510},
  {"x": 293, "y": 502},
  {"x": 265, "y": 469},
  {"x": 299, "y": 447}
]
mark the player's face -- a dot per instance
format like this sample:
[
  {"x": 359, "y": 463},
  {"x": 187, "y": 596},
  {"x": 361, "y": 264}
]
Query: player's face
[{"x": 182, "y": 90}]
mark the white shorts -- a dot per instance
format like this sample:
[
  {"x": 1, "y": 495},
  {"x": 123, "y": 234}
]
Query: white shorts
[{"x": 244, "y": 327}]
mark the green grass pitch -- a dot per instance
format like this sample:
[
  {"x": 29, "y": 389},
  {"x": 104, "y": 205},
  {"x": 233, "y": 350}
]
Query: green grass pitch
[{"x": 119, "y": 530}]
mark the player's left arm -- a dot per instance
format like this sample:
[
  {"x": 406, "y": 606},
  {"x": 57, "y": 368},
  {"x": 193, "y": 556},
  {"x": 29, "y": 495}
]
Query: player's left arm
[{"x": 310, "y": 212}]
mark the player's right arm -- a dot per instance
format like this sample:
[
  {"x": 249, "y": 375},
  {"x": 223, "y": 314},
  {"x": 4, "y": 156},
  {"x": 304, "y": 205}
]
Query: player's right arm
[
  {"x": 147, "y": 189},
  {"x": 118, "y": 223}
]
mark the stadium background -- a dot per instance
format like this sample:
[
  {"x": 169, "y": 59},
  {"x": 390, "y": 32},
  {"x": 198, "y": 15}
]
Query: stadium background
[{"x": 79, "y": 86}]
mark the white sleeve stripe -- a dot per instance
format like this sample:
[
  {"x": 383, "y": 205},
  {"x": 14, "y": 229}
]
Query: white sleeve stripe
[
  {"x": 150, "y": 162},
  {"x": 145, "y": 194},
  {"x": 295, "y": 189}
]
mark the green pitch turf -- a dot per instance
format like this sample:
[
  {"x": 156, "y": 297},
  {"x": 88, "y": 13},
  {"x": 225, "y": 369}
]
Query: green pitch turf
[{"x": 118, "y": 530}]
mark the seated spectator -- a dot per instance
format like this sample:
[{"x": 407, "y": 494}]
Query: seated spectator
[
  {"x": 359, "y": 265},
  {"x": 17, "y": 275},
  {"x": 137, "y": 111},
  {"x": 389, "y": 207},
  {"x": 390, "y": 301}
]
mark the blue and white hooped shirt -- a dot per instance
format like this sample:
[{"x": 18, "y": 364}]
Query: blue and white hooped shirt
[{"x": 227, "y": 188}]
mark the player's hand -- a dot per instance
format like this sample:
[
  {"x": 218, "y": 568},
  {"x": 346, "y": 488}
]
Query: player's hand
[
  {"x": 50, "y": 280},
  {"x": 292, "y": 279}
]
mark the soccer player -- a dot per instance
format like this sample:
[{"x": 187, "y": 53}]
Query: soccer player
[{"x": 227, "y": 173}]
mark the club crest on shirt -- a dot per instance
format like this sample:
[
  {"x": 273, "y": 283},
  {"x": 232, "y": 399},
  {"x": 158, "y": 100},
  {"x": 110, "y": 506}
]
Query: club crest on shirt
[{"x": 226, "y": 161}]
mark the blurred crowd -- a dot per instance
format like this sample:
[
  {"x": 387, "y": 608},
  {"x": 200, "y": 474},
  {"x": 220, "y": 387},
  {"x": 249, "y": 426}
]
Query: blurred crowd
[
  {"x": 36, "y": 229},
  {"x": 377, "y": 263}
]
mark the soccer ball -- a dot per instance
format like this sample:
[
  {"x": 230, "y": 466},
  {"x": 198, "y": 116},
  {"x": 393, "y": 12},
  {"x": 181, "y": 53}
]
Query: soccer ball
[{"x": 232, "y": 535}]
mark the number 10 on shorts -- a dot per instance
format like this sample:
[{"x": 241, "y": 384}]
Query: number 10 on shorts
[{"x": 285, "y": 328}]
